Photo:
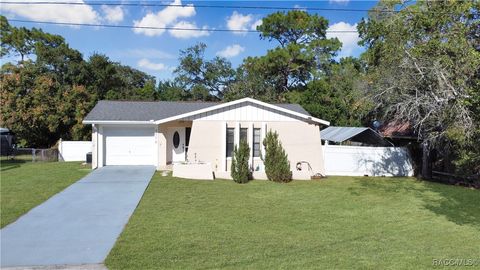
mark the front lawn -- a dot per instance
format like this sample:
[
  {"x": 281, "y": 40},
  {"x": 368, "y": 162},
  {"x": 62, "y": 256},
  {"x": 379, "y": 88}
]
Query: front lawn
[
  {"x": 339, "y": 222},
  {"x": 25, "y": 185}
]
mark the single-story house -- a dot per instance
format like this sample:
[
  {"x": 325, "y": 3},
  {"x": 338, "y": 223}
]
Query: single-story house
[{"x": 164, "y": 133}]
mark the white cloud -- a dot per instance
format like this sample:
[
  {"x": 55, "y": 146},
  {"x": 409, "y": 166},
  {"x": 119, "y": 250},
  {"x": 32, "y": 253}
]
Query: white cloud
[
  {"x": 54, "y": 13},
  {"x": 143, "y": 53},
  {"x": 147, "y": 64},
  {"x": 298, "y": 7},
  {"x": 164, "y": 18},
  {"x": 239, "y": 21},
  {"x": 343, "y": 2},
  {"x": 349, "y": 40},
  {"x": 231, "y": 51},
  {"x": 184, "y": 34},
  {"x": 113, "y": 14},
  {"x": 256, "y": 23}
]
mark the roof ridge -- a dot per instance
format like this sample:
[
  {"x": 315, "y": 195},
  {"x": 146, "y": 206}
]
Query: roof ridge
[
  {"x": 158, "y": 101},
  {"x": 184, "y": 101}
]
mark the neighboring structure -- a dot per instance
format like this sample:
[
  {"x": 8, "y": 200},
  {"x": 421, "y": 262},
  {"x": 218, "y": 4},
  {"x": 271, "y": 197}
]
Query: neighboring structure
[
  {"x": 7, "y": 142},
  {"x": 400, "y": 133},
  {"x": 360, "y": 135},
  {"x": 164, "y": 133},
  {"x": 368, "y": 153}
]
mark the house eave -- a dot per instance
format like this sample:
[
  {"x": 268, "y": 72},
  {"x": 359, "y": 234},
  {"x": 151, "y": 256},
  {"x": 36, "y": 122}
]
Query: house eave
[{"x": 117, "y": 122}]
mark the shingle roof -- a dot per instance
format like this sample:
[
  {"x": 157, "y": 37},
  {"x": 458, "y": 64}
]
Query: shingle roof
[{"x": 154, "y": 110}]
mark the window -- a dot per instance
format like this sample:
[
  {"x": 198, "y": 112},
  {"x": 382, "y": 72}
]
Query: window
[
  {"x": 244, "y": 134},
  {"x": 176, "y": 139},
  {"x": 230, "y": 141},
  {"x": 256, "y": 142}
]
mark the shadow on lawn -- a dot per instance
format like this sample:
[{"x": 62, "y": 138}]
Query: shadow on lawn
[
  {"x": 457, "y": 204},
  {"x": 6, "y": 165}
]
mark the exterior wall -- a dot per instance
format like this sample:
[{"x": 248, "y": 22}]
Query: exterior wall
[
  {"x": 206, "y": 143},
  {"x": 300, "y": 140}
]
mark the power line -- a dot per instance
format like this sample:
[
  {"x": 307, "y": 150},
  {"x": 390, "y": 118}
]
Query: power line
[
  {"x": 157, "y": 28},
  {"x": 150, "y": 4}
]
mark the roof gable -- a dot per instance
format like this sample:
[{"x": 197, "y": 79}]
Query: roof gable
[{"x": 305, "y": 117}]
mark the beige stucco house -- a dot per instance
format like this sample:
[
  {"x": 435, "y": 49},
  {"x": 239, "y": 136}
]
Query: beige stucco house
[{"x": 165, "y": 133}]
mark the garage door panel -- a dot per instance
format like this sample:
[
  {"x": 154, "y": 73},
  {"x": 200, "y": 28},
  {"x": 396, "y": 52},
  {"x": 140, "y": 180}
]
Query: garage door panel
[{"x": 129, "y": 146}]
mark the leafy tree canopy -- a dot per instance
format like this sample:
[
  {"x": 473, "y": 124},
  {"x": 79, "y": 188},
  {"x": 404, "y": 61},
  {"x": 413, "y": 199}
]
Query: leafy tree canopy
[{"x": 423, "y": 68}]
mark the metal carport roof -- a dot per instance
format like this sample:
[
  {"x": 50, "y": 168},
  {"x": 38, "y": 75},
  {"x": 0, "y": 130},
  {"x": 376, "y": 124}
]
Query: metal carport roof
[{"x": 356, "y": 134}]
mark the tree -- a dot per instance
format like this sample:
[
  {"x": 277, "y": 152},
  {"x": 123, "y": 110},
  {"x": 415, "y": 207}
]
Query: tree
[
  {"x": 250, "y": 83},
  {"x": 205, "y": 80},
  {"x": 304, "y": 53},
  {"x": 171, "y": 91},
  {"x": 304, "y": 50},
  {"x": 340, "y": 97},
  {"x": 423, "y": 65},
  {"x": 46, "y": 97},
  {"x": 113, "y": 81},
  {"x": 276, "y": 162},
  {"x": 239, "y": 168}
]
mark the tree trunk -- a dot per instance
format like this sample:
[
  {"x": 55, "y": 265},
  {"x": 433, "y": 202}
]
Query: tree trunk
[{"x": 426, "y": 161}]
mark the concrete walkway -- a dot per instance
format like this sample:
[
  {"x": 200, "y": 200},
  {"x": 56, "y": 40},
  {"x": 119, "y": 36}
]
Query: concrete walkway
[{"x": 78, "y": 225}]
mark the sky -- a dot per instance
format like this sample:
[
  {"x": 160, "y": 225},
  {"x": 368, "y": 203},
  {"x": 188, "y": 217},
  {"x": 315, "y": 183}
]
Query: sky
[{"x": 156, "y": 51}]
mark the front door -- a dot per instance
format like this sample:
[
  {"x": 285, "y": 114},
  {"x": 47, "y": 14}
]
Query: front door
[{"x": 177, "y": 143}]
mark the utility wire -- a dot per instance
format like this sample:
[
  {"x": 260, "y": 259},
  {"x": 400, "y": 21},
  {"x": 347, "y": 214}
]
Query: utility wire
[
  {"x": 157, "y": 4},
  {"x": 158, "y": 28}
]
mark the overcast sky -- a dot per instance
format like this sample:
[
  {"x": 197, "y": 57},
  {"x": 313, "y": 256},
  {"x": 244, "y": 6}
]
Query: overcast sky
[{"x": 156, "y": 51}]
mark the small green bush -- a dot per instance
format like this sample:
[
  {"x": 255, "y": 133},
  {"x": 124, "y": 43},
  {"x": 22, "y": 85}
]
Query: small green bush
[
  {"x": 276, "y": 162},
  {"x": 239, "y": 169}
]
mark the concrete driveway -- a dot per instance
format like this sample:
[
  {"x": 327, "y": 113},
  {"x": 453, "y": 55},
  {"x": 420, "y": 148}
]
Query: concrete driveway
[{"x": 78, "y": 225}]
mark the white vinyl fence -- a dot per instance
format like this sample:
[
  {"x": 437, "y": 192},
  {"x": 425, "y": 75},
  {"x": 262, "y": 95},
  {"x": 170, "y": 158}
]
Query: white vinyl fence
[
  {"x": 371, "y": 161},
  {"x": 74, "y": 150}
]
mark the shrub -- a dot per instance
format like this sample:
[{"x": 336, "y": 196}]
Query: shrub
[
  {"x": 276, "y": 162},
  {"x": 239, "y": 168}
]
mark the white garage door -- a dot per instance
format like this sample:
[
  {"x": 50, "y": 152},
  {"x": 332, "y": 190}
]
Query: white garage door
[{"x": 129, "y": 145}]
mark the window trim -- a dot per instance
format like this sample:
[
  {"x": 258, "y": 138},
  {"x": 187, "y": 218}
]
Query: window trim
[
  {"x": 240, "y": 134},
  {"x": 259, "y": 143},
  {"x": 227, "y": 143}
]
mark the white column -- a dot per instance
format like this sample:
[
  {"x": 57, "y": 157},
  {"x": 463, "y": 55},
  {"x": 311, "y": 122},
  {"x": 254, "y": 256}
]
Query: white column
[
  {"x": 224, "y": 146},
  {"x": 94, "y": 146},
  {"x": 157, "y": 151},
  {"x": 237, "y": 134},
  {"x": 100, "y": 143},
  {"x": 250, "y": 144},
  {"x": 262, "y": 137},
  {"x": 60, "y": 150}
]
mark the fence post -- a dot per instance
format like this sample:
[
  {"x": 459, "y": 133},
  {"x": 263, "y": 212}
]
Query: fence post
[
  {"x": 33, "y": 154},
  {"x": 59, "y": 155}
]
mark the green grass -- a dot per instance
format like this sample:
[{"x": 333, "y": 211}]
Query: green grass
[
  {"x": 24, "y": 185},
  {"x": 339, "y": 222}
]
